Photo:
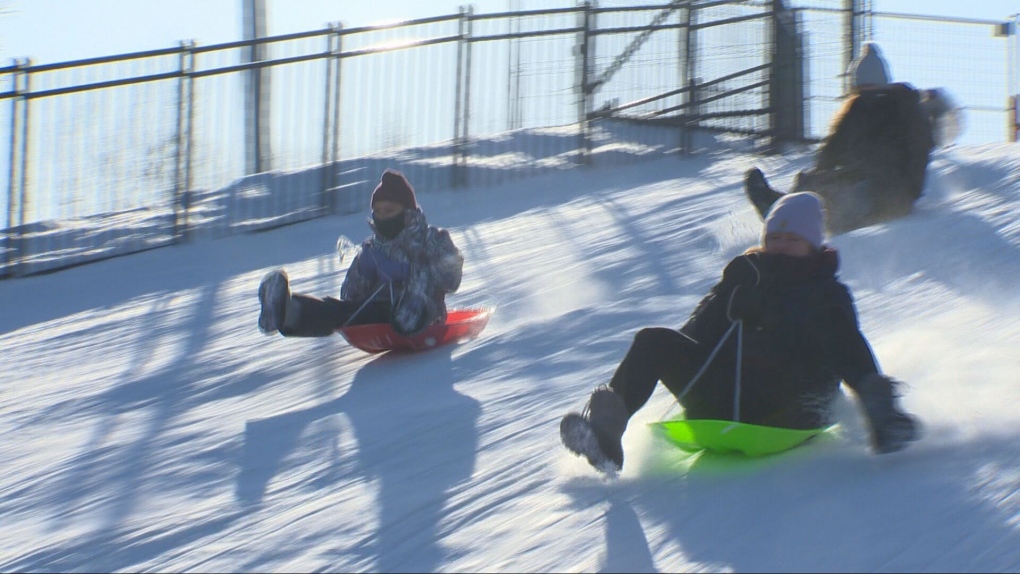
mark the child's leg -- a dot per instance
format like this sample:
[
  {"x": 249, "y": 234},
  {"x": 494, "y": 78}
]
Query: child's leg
[
  {"x": 657, "y": 354},
  {"x": 309, "y": 316},
  {"x": 759, "y": 192},
  {"x": 597, "y": 433}
]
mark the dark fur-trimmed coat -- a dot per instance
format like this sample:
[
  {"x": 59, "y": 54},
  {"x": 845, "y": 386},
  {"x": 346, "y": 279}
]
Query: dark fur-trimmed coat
[
  {"x": 872, "y": 166},
  {"x": 435, "y": 268},
  {"x": 804, "y": 343}
]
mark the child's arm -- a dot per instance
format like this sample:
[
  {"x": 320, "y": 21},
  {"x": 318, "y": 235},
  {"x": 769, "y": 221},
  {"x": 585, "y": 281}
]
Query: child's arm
[
  {"x": 710, "y": 319},
  {"x": 446, "y": 264},
  {"x": 848, "y": 351},
  {"x": 358, "y": 285}
]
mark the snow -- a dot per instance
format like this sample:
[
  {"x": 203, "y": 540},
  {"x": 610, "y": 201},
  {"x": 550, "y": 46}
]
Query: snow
[{"x": 148, "y": 426}]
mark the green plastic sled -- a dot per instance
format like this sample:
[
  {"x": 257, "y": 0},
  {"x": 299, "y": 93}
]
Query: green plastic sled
[{"x": 728, "y": 436}]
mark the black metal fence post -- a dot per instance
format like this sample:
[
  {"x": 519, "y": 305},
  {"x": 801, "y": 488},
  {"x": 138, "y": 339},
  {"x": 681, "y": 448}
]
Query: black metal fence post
[
  {"x": 585, "y": 89},
  {"x": 182, "y": 153},
  {"x": 325, "y": 202},
  {"x": 690, "y": 118},
  {"x": 786, "y": 88},
  {"x": 337, "y": 100},
  {"x": 690, "y": 72},
  {"x": 1014, "y": 124},
  {"x": 10, "y": 253},
  {"x": 189, "y": 137},
  {"x": 462, "y": 99},
  {"x": 18, "y": 239}
]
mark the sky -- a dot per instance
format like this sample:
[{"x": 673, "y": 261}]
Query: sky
[
  {"x": 146, "y": 424},
  {"x": 59, "y": 30}
]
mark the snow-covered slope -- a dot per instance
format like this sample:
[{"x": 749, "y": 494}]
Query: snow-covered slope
[{"x": 148, "y": 425}]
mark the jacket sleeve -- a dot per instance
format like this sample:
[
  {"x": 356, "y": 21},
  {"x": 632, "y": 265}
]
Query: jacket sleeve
[
  {"x": 846, "y": 349},
  {"x": 357, "y": 285},
  {"x": 445, "y": 262}
]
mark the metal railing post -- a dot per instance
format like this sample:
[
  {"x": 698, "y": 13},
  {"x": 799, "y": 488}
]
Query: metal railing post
[
  {"x": 325, "y": 201},
  {"x": 585, "y": 88},
  {"x": 778, "y": 81},
  {"x": 189, "y": 138},
  {"x": 18, "y": 241},
  {"x": 1011, "y": 29},
  {"x": 849, "y": 39},
  {"x": 1013, "y": 114},
  {"x": 179, "y": 200},
  {"x": 10, "y": 243},
  {"x": 690, "y": 69},
  {"x": 337, "y": 100},
  {"x": 457, "y": 104},
  {"x": 462, "y": 104}
]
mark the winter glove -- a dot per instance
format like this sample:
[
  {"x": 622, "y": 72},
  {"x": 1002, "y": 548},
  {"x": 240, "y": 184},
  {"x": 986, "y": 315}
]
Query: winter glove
[
  {"x": 891, "y": 429},
  {"x": 374, "y": 264},
  {"x": 747, "y": 298}
]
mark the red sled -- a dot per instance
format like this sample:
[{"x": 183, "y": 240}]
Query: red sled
[{"x": 380, "y": 337}]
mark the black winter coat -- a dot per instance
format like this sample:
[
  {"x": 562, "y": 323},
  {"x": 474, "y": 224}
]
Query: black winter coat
[{"x": 803, "y": 343}]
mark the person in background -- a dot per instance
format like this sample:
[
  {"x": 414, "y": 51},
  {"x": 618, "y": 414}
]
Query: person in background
[
  {"x": 401, "y": 275},
  {"x": 872, "y": 166}
]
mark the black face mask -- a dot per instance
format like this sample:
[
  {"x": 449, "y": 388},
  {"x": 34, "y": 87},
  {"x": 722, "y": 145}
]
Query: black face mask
[{"x": 389, "y": 228}]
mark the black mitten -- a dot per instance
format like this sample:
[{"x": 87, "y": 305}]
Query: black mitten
[{"x": 891, "y": 428}]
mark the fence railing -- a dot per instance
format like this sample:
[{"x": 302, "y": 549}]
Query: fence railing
[
  {"x": 119, "y": 154},
  {"x": 113, "y": 155}
]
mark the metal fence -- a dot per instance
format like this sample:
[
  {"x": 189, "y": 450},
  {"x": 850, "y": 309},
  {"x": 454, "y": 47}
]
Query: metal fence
[
  {"x": 970, "y": 58},
  {"x": 113, "y": 155},
  {"x": 974, "y": 61}
]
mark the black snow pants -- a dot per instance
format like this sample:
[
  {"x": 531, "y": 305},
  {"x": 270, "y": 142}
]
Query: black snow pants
[
  {"x": 661, "y": 354},
  {"x": 309, "y": 316}
]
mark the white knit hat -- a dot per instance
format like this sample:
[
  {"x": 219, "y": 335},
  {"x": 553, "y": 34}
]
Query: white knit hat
[
  {"x": 800, "y": 213},
  {"x": 869, "y": 68}
]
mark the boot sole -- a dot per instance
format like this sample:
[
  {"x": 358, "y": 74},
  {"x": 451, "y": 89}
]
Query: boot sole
[{"x": 579, "y": 438}]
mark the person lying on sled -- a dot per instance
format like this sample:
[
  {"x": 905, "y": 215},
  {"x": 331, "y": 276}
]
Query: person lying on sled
[
  {"x": 401, "y": 275},
  {"x": 801, "y": 338}
]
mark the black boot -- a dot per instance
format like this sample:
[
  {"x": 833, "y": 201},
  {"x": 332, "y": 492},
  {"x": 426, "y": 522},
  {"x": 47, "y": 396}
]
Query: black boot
[
  {"x": 891, "y": 428},
  {"x": 758, "y": 191},
  {"x": 597, "y": 432}
]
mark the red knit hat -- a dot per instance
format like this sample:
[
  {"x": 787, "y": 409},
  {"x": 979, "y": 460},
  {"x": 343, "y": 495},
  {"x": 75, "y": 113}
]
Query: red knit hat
[{"x": 394, "y": 187}]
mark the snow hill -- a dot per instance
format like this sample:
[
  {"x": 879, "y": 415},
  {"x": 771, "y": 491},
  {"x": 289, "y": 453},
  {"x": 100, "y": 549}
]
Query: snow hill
[{"x": 148, "y": 426}]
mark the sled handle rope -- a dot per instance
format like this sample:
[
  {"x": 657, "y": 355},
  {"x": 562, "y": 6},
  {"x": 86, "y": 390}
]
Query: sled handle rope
[
  {"x": 343, "y": 247},
  {"x": 363, "y": 305},
  {"x": 739, "y": 326}
]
